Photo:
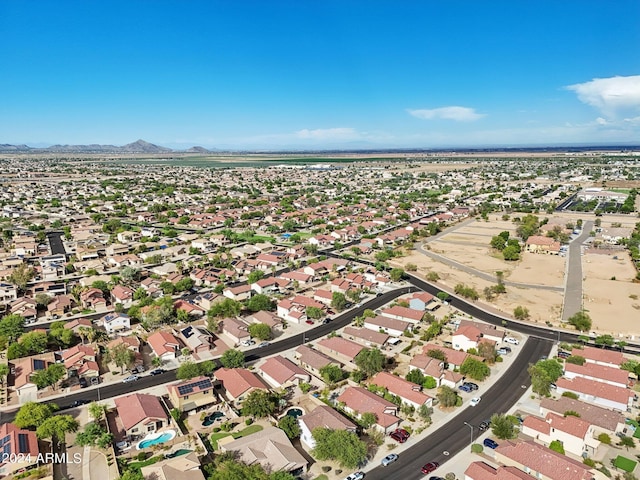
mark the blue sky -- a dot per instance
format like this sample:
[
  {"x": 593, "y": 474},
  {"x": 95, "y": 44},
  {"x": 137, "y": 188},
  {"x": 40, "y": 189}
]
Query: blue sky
[{"x": 320, "y": 74}]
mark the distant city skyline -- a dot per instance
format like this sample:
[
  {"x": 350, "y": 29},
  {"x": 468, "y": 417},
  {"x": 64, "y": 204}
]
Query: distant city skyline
[{"x": 334, "y": 74}]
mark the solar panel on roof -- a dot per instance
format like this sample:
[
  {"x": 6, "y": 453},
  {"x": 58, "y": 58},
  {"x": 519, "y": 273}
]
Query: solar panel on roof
[
  {"x": 23, "y": 443},
  {"x": 185, "y": 389},
  {"x": 187, "y": 332}
]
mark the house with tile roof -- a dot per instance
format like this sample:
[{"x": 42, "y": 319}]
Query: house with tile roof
[
  {"x": 454, "y": 358},
  {"x": 540, "y": 244},
  {"x": 358, "y": 400},
  {"x": 193, "y": 394},
  {"x": 280, "y": 372},
  {"x": 123, "y": 295},
  {"x": 598, "y": 393},
  {"x": 18, "y": 447},
  {"x": 81, "y": 361},
  {"x": 422, "y": 301},
  {"x": 23, "y": 368},
  {"x": 312, "y": 360},
  {"x": 389, "y": 325},
  {"x": 164, "y": 345},
  {"x": 541, "y": 462},
  {"x": 140, "y": 414},
  {"x": 576, "y": 434},
  {"x": 604, "y": 420},
  {"x": 182, "y": 467},
  {"x": 600, "y": 356},
  {"x": 323, "y": 416},
  {"x": 116, "y": 322},
  {"x": 409, "y": 392},
  {"x": 597, "y": 372},
  {"x": 368, "y": 338},
  {"x": 235, "y": 329},
  {"x": 403, "y": 313},
  {"x": 271, "y": 448},
  {"x": 483, "y": 471},
  {"x": 340, "y": 348},
  {"x": 237, "y": 383}
]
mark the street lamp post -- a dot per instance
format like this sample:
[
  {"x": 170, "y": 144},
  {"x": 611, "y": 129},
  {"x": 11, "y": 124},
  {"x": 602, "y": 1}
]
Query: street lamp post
[{"x": 471, "y": 428}]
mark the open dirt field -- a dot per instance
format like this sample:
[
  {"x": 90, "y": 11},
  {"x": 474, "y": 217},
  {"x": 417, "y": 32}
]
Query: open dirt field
[
  {"x": 543, "y": 305},
  {"x": 539, "y": 269},
  {"x": 614, "y": 305},
  {"x": 480, "y": 258}
]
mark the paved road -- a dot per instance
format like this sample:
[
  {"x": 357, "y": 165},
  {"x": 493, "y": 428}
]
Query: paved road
[
  {"x": 573, "y": 287},
  {"x": 455, "y": 435}
]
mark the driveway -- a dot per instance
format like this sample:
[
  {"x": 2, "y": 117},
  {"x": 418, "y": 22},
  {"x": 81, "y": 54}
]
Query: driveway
[{"x": 573, "y": 286}]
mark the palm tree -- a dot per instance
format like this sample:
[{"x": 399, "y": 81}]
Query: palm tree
[
  {"x": 56, "y": 428},
  {"x": 83, "y": 333}
]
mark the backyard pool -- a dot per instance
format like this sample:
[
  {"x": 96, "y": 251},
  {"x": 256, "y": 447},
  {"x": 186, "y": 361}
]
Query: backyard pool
[
  {"x": 294, "y": 412},
  {"x": 211, "y": 418},
  {"x": 155, "y": 439}
]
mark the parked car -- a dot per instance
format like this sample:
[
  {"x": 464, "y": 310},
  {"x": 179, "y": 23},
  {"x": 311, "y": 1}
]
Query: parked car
[
  {"x": 511, "y": 340},
  {"x": 564, "y": 354},
  {"x": 309, "y": 322},
  {"x": 429, "y": 467},
  {"x": 247, "y": 343},
  {"x": 157, "y": 371},
  {"x": 83, "y": 382},
  {"x": 471, "y": 385},
  {"x": 389, "y": 459},
  {"x": 137, "y": 369},
  {"x": 475, "y": 401},
  {"x": 355, "y": 476},
  {"x": 130, "y": 378},
  {"x": 325, "y": 321},
  {"x": 484, "y": 425},
  {"x": 553, "y": 386},
  {"x": 464, "y": 387},
  {"x": 503, "y": 351},
  {"x": 492, "y": 444},
  {"x": 400, "y": 435}
]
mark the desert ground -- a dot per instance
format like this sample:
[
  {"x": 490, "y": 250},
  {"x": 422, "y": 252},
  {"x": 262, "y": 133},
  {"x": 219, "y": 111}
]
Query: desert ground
[{"x": 613, "y": 305}]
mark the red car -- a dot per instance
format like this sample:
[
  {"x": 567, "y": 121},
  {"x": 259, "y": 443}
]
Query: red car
[
  {"x": 309, "y": 322},
  {"x": 400, "y": 435},
  {"x": 430, "y": 467}
]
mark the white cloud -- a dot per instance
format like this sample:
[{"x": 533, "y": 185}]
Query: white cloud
[
  {"x": 459, "y": 114},
  {"x": 328, "y": 134},
  {"x": 610, "y": 95}
]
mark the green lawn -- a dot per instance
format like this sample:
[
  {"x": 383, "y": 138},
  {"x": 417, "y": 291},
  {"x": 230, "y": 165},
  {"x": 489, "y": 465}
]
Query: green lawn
[
  {"x": 322, "y": 477},
  {"x": 146, "y": 463},
  {"x": 624, "y": 463},
  {"x": 242, "y": 433}
]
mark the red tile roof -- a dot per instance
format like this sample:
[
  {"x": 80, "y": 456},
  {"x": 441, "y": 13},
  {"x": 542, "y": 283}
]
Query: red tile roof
[
  {"x": 163, "y": 342},
  {"x": 361, "y": 400},
  {"x": 599, "y": 355},
  {"x": 599, "y": 372},
  {"x": 139, "y": 407},
  {"x": 401, "y": 387},
  {"x": 342, "y": 346},
  {"x": 238, "y": 381},
  {"x": 283, "y": 370},
  {"x": 596, "y": 389}
]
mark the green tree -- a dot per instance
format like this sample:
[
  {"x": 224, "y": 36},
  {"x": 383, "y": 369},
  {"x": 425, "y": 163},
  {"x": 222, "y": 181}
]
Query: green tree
[
  {"x": 227, "y": 308},
  {"x": 187, "y": 370},
  {"x": 21, "y": 276},
  {"x": 32, "y": 414},
  {"x": 521, "y": 313},
  {"x": 4, "y": 373},
  {"x": 12, "y": 326},
  {"x": 576, "y": 360},
  {"x": 52, "y": 375},
  {"x": 498, "y": 242},
  {"x": 97, "y": 411},
  {"x": 370, "y": 361},
  {"x": 56, "y": 428},
  {"x": 581, "y": 321},
  {"x": 552, "y": 367},
  {"x": 338, "y": 301},
  {"x": 261, "y": 331},
  {"x": 260, "y": 302},
  {"x": 368, "y": 419},
  {"x": 254, "y": 276},
  {"x": 627, "y": 442},
  {"x": 314, "y": 313},
  {"x": 260, "y": 404},
  {"x": 290, "y": 426},
  {"x": 556, "y": 446},
  {"x": 121, "y": 356},
  {"x": 339, "y": 445},
  {"x": 232, "y": 359},
  {"x": 502, "y": 426},
  {"x": 487, "y": 350},
  {"x": 396, "y": 274},
  {"x": 474, "y": 369},
  {"x": 443, "y": 296},
  {"x": 511, "y": 253},
  {"x": 332, "y": 374},
  {"x": 447, "y": 396},
  {"x": 415, "y": 376},
  {"x": 540, "y": 380}
]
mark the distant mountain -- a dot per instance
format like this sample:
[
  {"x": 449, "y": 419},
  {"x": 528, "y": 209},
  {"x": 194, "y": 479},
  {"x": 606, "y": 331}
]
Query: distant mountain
[
  {"x": 197, "y": 150},
  {"x": 139, "y": 146}
]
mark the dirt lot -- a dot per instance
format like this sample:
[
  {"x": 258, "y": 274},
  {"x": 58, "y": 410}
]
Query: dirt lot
[{"x": 614, "y": 305}]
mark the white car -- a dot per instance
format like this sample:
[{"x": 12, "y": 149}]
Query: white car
[
  {"x": 389, "y": 459},
  {"x": 130, "y": 378},
  {"x": 511, "y": 340},
  {"x": 355, "y": 476},
  {"x": 247, "y": 343},
  {"x": 474, "y": 401}
]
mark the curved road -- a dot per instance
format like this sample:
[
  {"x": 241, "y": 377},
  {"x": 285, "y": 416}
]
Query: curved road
[{"x": 453, "y": 436}]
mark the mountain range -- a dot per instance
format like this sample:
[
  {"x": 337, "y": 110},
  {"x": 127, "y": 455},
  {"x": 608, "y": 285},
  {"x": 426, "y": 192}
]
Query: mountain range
[{"x": 139, "y": 146}]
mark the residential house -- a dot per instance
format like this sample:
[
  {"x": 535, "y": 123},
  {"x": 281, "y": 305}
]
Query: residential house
[
  {"x": 340, "y": 348},
  {"x": 422, "y": 301},
  {"x": 454, "y": 358},
  {"x": 598, "y": 393},
  {"x": 192, "y": 394},
  {"x": 403, "y": 313},
  {"x": 436, "y": 368},
  {"x": 23, "y": 368},
  {"x": 123, "y": 295},
  {"x": 365, "y": 336},
  {"x": 409, "y": 392},
  {"x": 93, "y": 299},
  {"x": 59, "y": 306},
  {"x": 389, "y": 325},
  {"x": 8, "y": 293},
  {"x": 576, "y": 434},
  {"x": 541, "y": 462},
  {"x": 602, "y": 419},
  {"x": 323, "y": 416},
  {"x": 600, "y": 356},
  {"x": 26, "y": 307},
  {"x": 238, "y": 383},
  {"x": 81, "y": 361},
  {"x": 164, "y": 345},
  {"x": 597, "y": 372},
  {"x": 358, "y": 400},
  {"x": 140, "y": 414},
  {"x": 116, "y": 322},
  {"x": 268, "y": 318},
  {"x": 19, "y": 449},
  {"x": 239, "y": 293},
  {"x": 281, "y": 372},
  {"x": 483, "y": 471},
  {"x": 197, "y": 339},
  {"x": 182, "y": 467},
  {"x": 265, "y": 286},
  {"x": 271, "y": 448},
  {"x": 78, "y": 323},
  {"x": 235, "y": 329},
  {"x": 312, "y": 360},
  {"x": 540, "y": 244},
  {"x": 487, "y": 331}
]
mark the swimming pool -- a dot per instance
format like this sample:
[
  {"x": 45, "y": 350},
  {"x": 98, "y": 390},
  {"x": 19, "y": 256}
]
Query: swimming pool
[
  {"x": 155, "y": 439},
  {"x": 294, "y": 412}
]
